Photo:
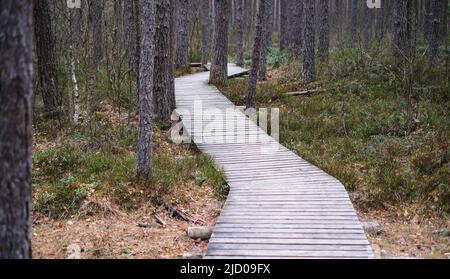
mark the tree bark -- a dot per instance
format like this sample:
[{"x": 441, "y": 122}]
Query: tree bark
[
  {"x": 354, "y": 23},
  {"x": 16, "y": 95},
  {"x": 204, "y": 20},
  {"x": 284, "y": 25},
  {"x": 368, "y": 14},
  {"x": 256, "y": 56},
  {"x": 219, "y": 67},
  {"x": 296, "y": 26},
  {"x": 183, "y": 23},
  {"x": 308, "y": 68},
  {"x": 46, "y": 57},
  {"x": 324, "y": 33},
  {"x": 266, "y": 40},
  {"x": 97, "y": 30},
  {"x": 146, "y": 68},
  {"x": 403, "y": 29},
  {"x": 118, "y": 25},
  {"x": 239, "y": 26},
  {"x": 434, "y": 30},
  {"x": 130, "y": 33},
  {"x": 163, "y": 63}
]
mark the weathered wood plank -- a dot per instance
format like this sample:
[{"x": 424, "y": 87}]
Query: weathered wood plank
[{"x": 279, "y": 206}]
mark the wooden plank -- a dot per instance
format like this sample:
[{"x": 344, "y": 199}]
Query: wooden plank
[
  {"x": 281, "y": 241},
  {"x": 279, "y": 206}
]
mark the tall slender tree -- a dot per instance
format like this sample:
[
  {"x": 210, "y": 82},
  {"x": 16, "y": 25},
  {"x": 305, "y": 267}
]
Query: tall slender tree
[
  {"x": 354, "y": 22},
  {"x": 146, "y": 83},
  {"x": 266, "y": 39},
  {"x": 308, "y": 68},
  {"x": 239, "y": 27},
  {"x": 258, "y": 44},
  {"x": 403, "y": 29},
  {"x": 204, "y": 22},
  {"x": 97, "y": 30},
  {"x": 118, "y": 25},
  {"x": 46, "y": 56},
  {"x": 434, "y": 30},
  {"x": 219, "y": 67},
  {"x": 162, "y": 98},
  {"x": 368, "y": 24},
  {"x": 324, "y": 32},
  {"x": 16, "y": 95},
  {"x": 284, "y": 24},
  {"x": 183, "y": 26}
]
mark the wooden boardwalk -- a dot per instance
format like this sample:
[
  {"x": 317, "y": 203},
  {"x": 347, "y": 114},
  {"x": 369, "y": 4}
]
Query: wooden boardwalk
[{"x": 279, "y": 205}]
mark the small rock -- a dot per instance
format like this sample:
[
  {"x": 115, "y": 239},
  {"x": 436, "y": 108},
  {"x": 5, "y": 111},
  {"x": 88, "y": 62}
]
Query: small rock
[
  {"x": 372, "y": 227},
  {"x": 199, "y": 232},
  {"x": 192, "y": 256}
]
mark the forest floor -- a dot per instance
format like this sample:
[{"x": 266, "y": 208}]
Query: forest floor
[
  {"x": 355, "y": 129},
  {"x": 87, "y": 205}
]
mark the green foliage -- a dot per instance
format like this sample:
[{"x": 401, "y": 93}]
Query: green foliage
[{"x": 365, "y": 130}]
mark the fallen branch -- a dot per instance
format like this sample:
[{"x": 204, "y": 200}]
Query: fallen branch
[
  {"x": 160, "y": 221},
  {"x": 239, "y": 75},
  {"x": 304, "y": 93},
  {"x": 179, "y": 214}
]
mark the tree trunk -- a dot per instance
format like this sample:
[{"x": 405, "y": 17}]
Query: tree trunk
[
  {"x": 368, "y": 14},
  {"x": 239, "y": 26},
  {"x": 380, "y": 24},
  {"x": 130, "y": 33},
  {"x": 77, "y": 15},
  {"x": 16, "y": 95},
  {"x": 146, "y": 68},
  {"x": 183, "y": 22},
  {"x": 46, "y": 57},
  {"x": 163, "y": 63},
  {"x": 204, "y": 20},
  {"x": 219, "y": 67},
  {"x": 266, "y": 40},
  {"x": 284, "y": 25},
  {"x": 324, "y": 34},
  {"x": 308, "y": 69},
  {"x": 118, "y": 25},
  {"x": 296, "y": 26},
  {"x": 434, "y": 31},
  {"x": 256, "y": 56},
  {"x": 403, "y": 29},
  {"x": 354, "y": 23},
  {"x": 97, "y": 30}
]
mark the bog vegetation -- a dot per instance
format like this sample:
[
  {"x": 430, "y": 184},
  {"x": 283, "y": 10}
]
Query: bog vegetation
[{"x": 364, "y": 94}]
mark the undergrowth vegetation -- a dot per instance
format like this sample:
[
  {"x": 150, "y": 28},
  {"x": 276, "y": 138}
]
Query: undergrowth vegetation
[
  {"x": 389, "y": 148},
  {"x": 76, "y": 173}
]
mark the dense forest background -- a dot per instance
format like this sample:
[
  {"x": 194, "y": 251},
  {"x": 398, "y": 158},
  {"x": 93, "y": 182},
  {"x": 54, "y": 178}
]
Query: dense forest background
[{"x": 363, "y": 93}]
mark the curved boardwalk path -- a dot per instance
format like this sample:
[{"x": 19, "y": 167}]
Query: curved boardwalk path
[{"x": 279, "y": 205}]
